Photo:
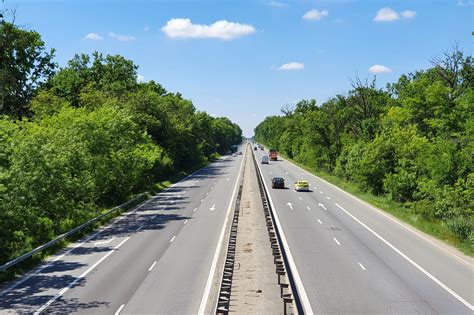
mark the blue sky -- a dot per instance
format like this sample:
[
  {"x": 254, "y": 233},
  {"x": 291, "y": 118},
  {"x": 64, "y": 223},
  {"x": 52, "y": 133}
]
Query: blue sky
[{"x": 267, "y": 54}]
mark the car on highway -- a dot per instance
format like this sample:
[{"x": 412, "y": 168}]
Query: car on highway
[
  {"x": 264, "y": 159},
  {"x": 240, "y": 153},
  {"x": 278, "y": 182},
  {"x": 234, "y": 155},
  {"x": 255, "y": 148},
  {"x": 302, "y": 185}
]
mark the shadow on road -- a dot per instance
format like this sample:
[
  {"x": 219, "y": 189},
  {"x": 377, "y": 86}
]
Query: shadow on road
[{"x": 155, "y": 215}]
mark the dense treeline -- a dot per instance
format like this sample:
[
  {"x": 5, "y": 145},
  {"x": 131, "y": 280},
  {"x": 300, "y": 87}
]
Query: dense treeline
[
  {"x": 85, "y": 137},
  {"x": 412, "y": 141}
]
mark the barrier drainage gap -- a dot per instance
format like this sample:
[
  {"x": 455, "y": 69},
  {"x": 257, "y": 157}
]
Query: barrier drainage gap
[{"x": 255, "y": 278}]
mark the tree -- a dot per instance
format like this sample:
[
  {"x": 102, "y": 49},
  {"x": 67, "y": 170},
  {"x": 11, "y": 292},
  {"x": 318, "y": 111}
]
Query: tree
[
  {"x": 25, "y": 66},
  {"x": 115, "y": 76}
]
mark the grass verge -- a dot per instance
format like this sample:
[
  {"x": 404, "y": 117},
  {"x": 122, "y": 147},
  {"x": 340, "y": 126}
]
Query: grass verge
[{"x": 397, "y": 209}]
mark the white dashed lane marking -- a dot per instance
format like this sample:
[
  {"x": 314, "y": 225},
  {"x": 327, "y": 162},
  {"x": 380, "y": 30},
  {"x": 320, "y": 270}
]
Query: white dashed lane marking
[{"x": 151, "y": 267}]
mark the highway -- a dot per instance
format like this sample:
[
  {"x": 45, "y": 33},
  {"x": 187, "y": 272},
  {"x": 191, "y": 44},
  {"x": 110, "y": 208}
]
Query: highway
[
  {"x": 160, "y": 257},
  {"x": 153, "y": 259},
  {"x": 352, "y": 258}
]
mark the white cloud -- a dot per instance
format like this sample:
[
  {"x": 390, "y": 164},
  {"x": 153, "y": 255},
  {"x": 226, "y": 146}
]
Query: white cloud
[
  {"x": 376, "y": 69},
  {"x": 389, "y": 15},
  {"x": 315, "y": 14},
  {"x": 277, "y": 4},
  {"x": 465, "y": 3},
  {"x": 140, "y": 78},
  {"x": 292, "y": 66},
  {"x": 122, "y": 38},
  {"x": 184, "y": 28},
  {"x": 93, "y": 36},
  {"x": 408, "y": 14},
  {"x": 146, "y": 28},
  {"x": 386, "y": 15}
]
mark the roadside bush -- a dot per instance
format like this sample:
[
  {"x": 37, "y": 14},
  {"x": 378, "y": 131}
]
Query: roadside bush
[
  {"x": 66, "y": 166},
  {"x": 461, "y": 227}
]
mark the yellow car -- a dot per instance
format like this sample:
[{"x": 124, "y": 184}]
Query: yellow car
[{"x": 302, "y": 185}]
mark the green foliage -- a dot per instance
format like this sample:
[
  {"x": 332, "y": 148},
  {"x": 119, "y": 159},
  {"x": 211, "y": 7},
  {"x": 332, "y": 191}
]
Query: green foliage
[
  {"x": 95, "y": 137},
  {"x": 411, "y": 143},
  {"x": 25, "y": 66}
]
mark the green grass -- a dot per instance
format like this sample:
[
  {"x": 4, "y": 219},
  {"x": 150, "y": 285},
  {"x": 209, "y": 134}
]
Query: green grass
[{"x": 397, "y": 209}]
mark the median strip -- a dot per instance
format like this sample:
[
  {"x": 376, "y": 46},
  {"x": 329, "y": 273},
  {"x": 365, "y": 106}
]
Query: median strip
[{"x": 255, "y": 276}]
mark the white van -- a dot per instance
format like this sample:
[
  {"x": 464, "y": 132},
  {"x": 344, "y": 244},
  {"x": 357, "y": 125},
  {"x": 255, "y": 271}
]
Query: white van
[{"x": 264, "y": 159}]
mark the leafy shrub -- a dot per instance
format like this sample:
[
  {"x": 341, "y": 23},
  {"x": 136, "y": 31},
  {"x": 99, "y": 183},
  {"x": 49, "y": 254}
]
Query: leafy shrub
[{"x": 461, "y": 227}]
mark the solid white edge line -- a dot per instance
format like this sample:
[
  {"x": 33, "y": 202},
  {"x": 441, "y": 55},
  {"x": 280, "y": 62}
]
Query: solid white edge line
[
  {"x": 73, "y": 283},
  {"x": 152, "y": 266},
  {"x": 388, "y": 216},
  {"x": 119, "y": 309},
  {"x": 429, "y": 275},
  {"x": 299, "y": 284},
  {"x": 207, "y": 288}
]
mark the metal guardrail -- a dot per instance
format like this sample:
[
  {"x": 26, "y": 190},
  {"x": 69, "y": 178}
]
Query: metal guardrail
[
  {"x": 285, "y": 279},
  {"x": 223, "y": 300},
  {"x": 38, "y": 249}
]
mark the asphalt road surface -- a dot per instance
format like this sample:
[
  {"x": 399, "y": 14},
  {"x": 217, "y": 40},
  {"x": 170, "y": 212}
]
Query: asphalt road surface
[
  {"x": 154, "y": 259},
  {"x": 158, "y": 258},
  {"x": 352, "y": 258}
]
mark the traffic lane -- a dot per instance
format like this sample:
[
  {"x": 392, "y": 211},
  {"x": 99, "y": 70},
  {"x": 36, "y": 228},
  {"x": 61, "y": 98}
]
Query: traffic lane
[
  {"x": 80, "y": 303},
  {"x": 34, "y": 289},
  {"x": 102, "y": 290},
  {"x": 427, "y": 288},
  {"x": 456, "y": 273},
  {"x": 176, "y": 282},
  {"x": 113, "y": 284},
  {"x": 328, "y": 257},
  {"x": 358, "y": 248}
]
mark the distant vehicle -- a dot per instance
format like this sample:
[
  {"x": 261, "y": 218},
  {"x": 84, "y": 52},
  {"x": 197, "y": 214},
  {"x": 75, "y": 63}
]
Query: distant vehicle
[
  {"x": 240, "y": 153},
  {"x": 262, "y": 148},
  {"x": 278, "y": 182},
  {"x": 273, "y": 154},
  {"x": 255, "y": 148},
  {"x": 264, "y": 159},
  {"x": 301, "y": 185},
  {"x": 234, "y": 155}
]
